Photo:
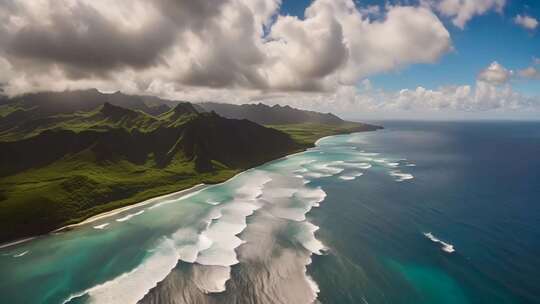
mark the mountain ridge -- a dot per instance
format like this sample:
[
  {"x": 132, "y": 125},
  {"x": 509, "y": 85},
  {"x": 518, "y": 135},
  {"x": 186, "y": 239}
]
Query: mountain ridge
[
  {"x": 271, "y": 115},
  {"x": 60, "y": 166}
]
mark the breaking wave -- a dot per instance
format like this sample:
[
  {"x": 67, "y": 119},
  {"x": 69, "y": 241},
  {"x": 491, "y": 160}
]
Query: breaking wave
[
  {"x": 446, "y": 247},
  {"x": 129, "y": 216},
  {"x": 351, "y": 176},
  {"x": 400, "y": 176},
  {"x": 254, "y": 241},
  {"x": 231, "y": 249},
  {"x": 18, "y": 255},
  {"x": 102, "y": 226}
]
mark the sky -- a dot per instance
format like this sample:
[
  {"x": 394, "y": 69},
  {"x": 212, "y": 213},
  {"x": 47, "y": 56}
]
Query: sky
[{"x": 366, "y": 59}]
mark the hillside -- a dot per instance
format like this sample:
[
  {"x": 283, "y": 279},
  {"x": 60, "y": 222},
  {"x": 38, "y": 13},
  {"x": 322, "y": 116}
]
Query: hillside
[
  {"x": 45, "y": 104},
  {"x": 63, "y": 168},
  {"x": 271, "y": 115},
  {"x": 67, "y": 156},
  {"x": 305, "y": 127}
]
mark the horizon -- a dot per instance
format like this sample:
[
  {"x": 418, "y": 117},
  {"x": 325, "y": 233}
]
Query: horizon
[
  {"x": 455, "y": 60},
  {"x": 443, "y": 117}
]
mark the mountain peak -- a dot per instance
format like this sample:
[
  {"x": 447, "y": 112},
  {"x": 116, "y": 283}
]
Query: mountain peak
[
  {"x": 185, "y": 108},
  {"x": 115, "y": 112},
  {"x": 271, "y": 115}
]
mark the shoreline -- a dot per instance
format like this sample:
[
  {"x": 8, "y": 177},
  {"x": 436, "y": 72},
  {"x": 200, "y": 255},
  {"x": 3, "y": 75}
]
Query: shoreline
[
  {"x": 180, "y": 193},
  {"x": 99, "y": 216}
]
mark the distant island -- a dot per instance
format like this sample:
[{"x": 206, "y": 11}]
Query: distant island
[{"x": 66, "y": 156}]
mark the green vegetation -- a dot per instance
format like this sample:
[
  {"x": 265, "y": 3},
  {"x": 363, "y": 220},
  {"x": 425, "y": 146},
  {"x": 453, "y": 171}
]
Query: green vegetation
[
  {"x": 5, "y": 110},
  {"x": 63, "y": 168},
  {"x": 76, "y": 188},
  {"x": 59, "y": 168},
  {"x": 307, "y": 134}
]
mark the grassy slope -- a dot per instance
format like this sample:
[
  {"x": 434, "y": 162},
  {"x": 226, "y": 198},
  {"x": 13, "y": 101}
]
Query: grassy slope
[
  {"x": 307, "y": 134},
  {"x": 75, "y": 188},
  {"x": 80, "y": 121}
]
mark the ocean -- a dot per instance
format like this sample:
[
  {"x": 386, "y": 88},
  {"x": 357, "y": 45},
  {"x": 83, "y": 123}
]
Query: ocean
[{"x": 420, "y": 212}]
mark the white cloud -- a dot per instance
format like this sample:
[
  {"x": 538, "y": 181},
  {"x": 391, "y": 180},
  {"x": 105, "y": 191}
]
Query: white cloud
[
  {"x": 479, "y": 98},
  {"x": 234, "y": 44},
  {"x": 461, "y": 11},
  {"x": 526, "y": 22},
  {"x": 242, "y": 51},
  {"x": 529, "y": 73},
  {"x": 495, "y": 74}
]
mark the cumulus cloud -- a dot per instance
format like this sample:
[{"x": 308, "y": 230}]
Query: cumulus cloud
[
  {"x": 529, "y": 73},
  {"x": 461, "y": 11},
  {"x": 170, "y": 46},
  {"x": 495, "y": 74},
  {"x": 82, "y": 38},
  {"x": 242, "y": 51},
  {"x": 354, "y": 101},
  {"x": 526, "y": 22}
]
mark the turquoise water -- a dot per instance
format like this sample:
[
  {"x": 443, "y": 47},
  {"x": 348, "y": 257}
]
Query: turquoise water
[{"x": 345, "y": 222}]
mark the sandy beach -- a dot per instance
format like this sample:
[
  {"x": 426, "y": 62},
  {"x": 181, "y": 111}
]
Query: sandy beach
[{"x": 157, "y": 199}]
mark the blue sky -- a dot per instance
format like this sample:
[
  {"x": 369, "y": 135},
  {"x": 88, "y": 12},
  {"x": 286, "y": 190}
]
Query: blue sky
[{"x": 485, "y": 38}]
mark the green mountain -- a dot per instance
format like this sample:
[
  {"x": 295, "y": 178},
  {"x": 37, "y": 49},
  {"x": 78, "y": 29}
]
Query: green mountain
[
  {"x": 304, "y": 126},
  {"x": 271, "y": 115},
  {"x": 44, "y": 104},
  {"x": 67, "y": 156},
  {"x": 62, "y": 168}
]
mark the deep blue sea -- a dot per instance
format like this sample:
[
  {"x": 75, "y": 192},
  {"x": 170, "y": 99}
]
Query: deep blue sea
[
  {"x": 420, "y": 213},
  {"x": 476, "y": 186}
]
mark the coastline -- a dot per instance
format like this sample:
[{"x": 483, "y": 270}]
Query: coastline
[
  {"x": 180, "y": 193},
  {"x": 99, "y": 216}
]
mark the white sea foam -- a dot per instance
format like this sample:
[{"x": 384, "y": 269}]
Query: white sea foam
[
  {"x": 306, "y": 237},
  {"x": 130, "y": 287},
  {"x": 312, "y": 196},
  {"x": 400, "y": 176},
  {"x": 320, "y": 170},
  {"x": 21, "y": 254},
  {"x": 351, "y": 176},
  {"x": 189, "y": 243},
  {"x": 393, "y": 164},
  {"x": 308, "y": 161},
  {"x": 221, "y": 234},
  {"x": 166, "y": 202},
  {"x": 211, "y": 279},
  {"x": 410, "y": 165},
  {"x": 303, "y": 170},
  {"x": 186, "y": 244},
  {"x": 313, "y": 285},
  {"x": 357, "y": 165},
  {"x": 328, "y": 168},
  {"x": 213, "y": 202},
  {"x": 129, "y": 216},
  {"x": 296, "y": 205},
  {"x": 280, "y": 193},
  {"x": 446, "y": 247},
  {"x": 102, "y": 226},
  {"x": 316, "y": 175},
  {"x": 368, "y": 154}
]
